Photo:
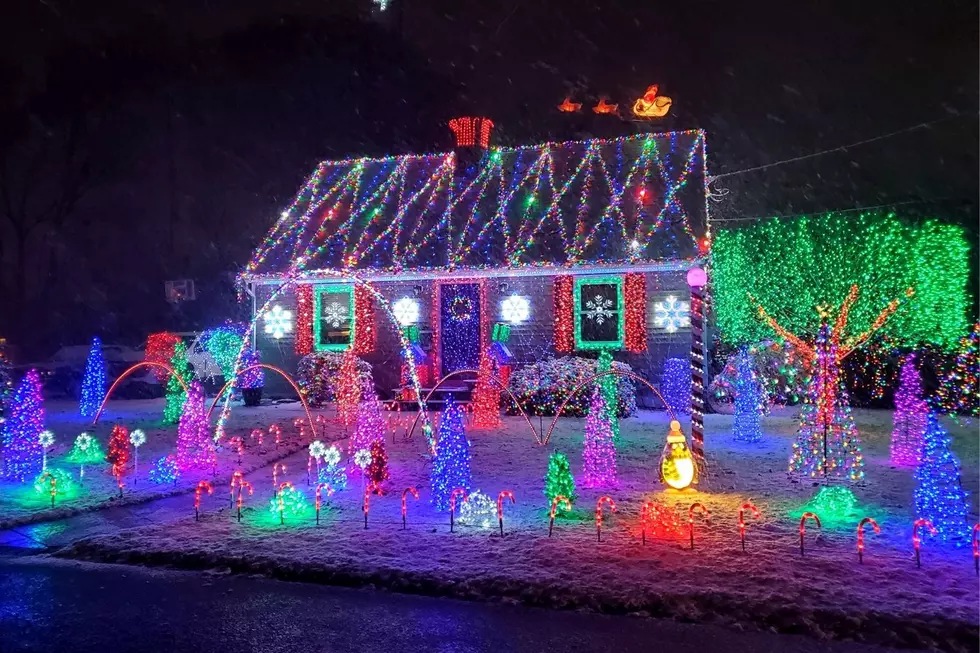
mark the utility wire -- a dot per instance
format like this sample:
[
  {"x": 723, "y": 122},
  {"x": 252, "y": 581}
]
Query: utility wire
[{"x": 851, "y": 210}]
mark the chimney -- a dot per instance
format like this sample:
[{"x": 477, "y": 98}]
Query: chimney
[{"x": 472, "y": 138}]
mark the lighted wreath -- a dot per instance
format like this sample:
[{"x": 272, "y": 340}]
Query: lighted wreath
[{"x": 461, "y": 308}]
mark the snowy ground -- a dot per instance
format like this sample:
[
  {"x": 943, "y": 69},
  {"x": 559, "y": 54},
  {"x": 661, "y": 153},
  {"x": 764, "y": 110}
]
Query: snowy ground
[{"x": 826, "y": 594}]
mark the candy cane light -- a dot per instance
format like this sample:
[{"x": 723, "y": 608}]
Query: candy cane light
[
  {"x": 405, "y": 493},
  {"x": 554, "y": 508},
  {"x": 242, "y": 486},
  {"x": 690, "y": 518},
  {"x": 598, "y": 514},
  {"x": 741, "y": 520},
  {"x": 803, "y": 518},
  {"x": 860, "y": 530},
  {"x": 916, "y": 542},
  {"x": 201, "y": 486},
  {"x": 452, "y": 505},
  {"x": 505, "y": 494},
  {"x": 320, "y": 487}
]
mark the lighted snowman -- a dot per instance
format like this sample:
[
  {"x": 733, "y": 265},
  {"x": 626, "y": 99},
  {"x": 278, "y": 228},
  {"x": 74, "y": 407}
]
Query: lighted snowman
[{"x": 677, "y": 466}]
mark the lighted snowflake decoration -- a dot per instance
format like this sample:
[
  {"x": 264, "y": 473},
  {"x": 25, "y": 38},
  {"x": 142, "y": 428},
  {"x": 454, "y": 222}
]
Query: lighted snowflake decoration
[
  {"x": 362, "y": 458},
  {"x": 335, "y": 314},
  {"x": 318, "y": 450},
  {"x": 406, "y": 311},
  {"x": 598, "y": 309},
  {"x": 83, "y": 442},
  {"x": 515, "y": 309},
  {"x": 137, "y": 438},
  {"x": 45, "y": 438},
  {"x": 278, "y": 322},
  {"x": 672, "y": 314},
  {"x": 331, "y": 456}
]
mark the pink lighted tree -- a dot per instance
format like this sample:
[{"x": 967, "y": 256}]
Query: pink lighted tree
[
  {"x": 911, "y": 417},
  {"x": 195, "y": 448},
  {"x": 370, "y": 424},
  {"x": 600, "y": 451}
]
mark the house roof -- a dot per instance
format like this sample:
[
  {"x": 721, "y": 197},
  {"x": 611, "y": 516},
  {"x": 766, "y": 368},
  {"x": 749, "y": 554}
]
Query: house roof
[{"x": 624, "y": 200}]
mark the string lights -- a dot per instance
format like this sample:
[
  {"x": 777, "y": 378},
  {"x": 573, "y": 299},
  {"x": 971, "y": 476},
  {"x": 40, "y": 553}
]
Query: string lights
[
  {"x": 22, "y": 426},
  {"x": 910, "y": 417},
  {"x": 451, "y": 466},
  {"x": 635, "y": 301},
  {"x": 599, "y": 453},
  {"x": 939, "y": 495},
  {"x": 564, "y": 319},
  {"x": 94, "y": 381},
  {"x": 748, "y": 396},
  {"x": 675, "y": 385},
  {"x": 303, "y": 344},
  {"x": 175, "y": 391},
  {"x": 195, "y": 447}
]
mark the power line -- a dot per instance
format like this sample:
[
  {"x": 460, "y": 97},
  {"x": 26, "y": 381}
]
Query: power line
[
  {"x": 851, "y": 210},
  {"x": 840, "y": 148}
]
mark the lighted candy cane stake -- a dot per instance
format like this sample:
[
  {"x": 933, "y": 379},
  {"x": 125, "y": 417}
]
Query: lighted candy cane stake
[
  {"x": 54, "y": 485},
  {"x": 806, "y": 515},
  {"x": 505, "y": 494},
  {"x": 202, "y": 485},
  {"x": 690, "y": 518},
  {"x": 274, "y": 430},
  {"x": 554, "y": 508},
  {"x": 598, "y": 514},
  {"x": 405, "y": 492},
  {"x": 237, "y": 445},
  {"x": 241, "y": 488},
  {"x": 282, "y": 486},
  {"x": 137, "y": 438},
  {"x": 915, "y": 536},
  {"x": 276, "y": 468},
  {"x": 366, "y": 506},
  {"x": 45, "y": 439},
  {"x": 861, "y": 524},
  {"x": 976, "y": 549},
  {"x": 644, "y": 518},
  {"x": 452, "y": 505},
  {"x": 741, "y": 520},
  {"x": 256, "y": 434},
  {"x": 298, "y": 423},
  {"x": 319, "y": 499},
  {"x": 236, "y": 479}
]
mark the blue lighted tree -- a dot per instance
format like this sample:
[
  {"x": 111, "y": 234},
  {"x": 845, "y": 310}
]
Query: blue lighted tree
[
  {"x": 94, "y": 381},
  {"x": 748, "y": 394},
  {"x": 22, "y": 450},
  {"x": 676, "y": 385},
  {"x": 451, "y": 467},
  {"x": 939, "y": 494}
]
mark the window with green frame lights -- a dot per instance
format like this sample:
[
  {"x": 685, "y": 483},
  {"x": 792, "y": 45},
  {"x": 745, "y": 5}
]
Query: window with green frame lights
[
  {"x": 333, "y": 323},
  {"x": 599, "y": 313}
]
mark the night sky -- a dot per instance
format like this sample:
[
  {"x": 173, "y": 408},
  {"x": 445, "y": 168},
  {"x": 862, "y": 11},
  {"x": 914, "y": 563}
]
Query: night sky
[{"x": 158, "y": 140}]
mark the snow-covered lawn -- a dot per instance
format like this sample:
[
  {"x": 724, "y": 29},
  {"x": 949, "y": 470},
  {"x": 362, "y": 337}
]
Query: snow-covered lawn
[
  {"x": 826, "y": 593},
  {"x": 20, "y": 504}
]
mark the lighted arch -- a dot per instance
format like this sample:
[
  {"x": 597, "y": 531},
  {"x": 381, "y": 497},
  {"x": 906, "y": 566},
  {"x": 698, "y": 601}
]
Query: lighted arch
[
  {"x": 497, "y": 382},
  {"x": 129, "y": 371},
  {"x": 273, "y": 368},
  {"x": 589, "y": 381}
]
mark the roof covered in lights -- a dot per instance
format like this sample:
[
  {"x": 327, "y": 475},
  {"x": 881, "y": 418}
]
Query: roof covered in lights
[{"x": 623, "y": 200}]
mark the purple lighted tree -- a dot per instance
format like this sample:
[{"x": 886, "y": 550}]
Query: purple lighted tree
[
  {"x": 911, "y": 417},
  {"x": 195, "y": 448},
  {"x": 370, "y": 424},
  {"x": 600, "y": 451},
  {"x": 22, "y": 450}
]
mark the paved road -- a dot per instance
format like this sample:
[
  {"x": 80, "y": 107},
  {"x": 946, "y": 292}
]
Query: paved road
[{"x": 59, "y": 606}]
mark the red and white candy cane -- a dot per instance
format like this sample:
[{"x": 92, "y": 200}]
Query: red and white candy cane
[
  {"x": 405, "y": 493},
  {"x": 299, "y": 424},
  {"x": 238, "y": 446},
  {"x": 452, "y": 505},
  {"x": 598, "y": 514},
  {"x": 554, "y": 508},
  {"x": 54, "y": 486},
  {"x": 276, "y": 469},
  {"x": 916, "y": 542},
  {"x": 321, "y": 423},
  {"x": 803, "y": 518},
  {"x": 976, "y": 545},
  {"x": 276, "y": 432},
  {"x": 279, "y": 491},
  {"x": 244, "y": 485},
  {"x": 236, "y": 478},
  {"x": 256, "y": 434},
  {"x": 861, "y": 525},
  {"x": 504, "y": 494},
  {"x": 741, "y": 519},
  {"x": 319, "y": 499},
  {"x": 202, "y": 485},
  {"x": 366, "y": 506},
  {"x": 645, "y": 519},
  {"x": 690, "y": 518}
]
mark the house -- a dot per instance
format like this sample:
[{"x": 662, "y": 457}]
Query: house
[{"x": 573, "y": 247}]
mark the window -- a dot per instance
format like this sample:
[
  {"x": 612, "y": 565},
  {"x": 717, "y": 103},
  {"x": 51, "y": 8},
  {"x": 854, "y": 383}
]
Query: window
[
  {"x": 333, "y": 317},
  {"x": 599, "y": 312}
]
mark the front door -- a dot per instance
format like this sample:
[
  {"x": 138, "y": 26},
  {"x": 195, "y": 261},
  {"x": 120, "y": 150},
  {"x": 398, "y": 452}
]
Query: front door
[{"x": 459, "y": 326}]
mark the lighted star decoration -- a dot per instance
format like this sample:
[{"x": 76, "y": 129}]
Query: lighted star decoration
[
  {"x": 317, "y": 450},
  {"x": 406, "y": 311},
  {"x": 332, "y": 455},
  {"x": 46, "y": 438},
  {"x": 137, "y": 438},
  {"x": 671, "y": 314},
  {"x": 515, "y": 309},
  {"x": 278, "y": 322}
]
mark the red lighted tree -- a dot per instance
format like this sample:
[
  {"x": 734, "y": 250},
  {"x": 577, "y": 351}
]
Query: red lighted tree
[{"x": 118, "y": 455}]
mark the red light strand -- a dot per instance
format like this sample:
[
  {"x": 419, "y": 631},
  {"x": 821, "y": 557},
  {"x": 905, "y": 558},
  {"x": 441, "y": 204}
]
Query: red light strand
[
  {"x": 635, "y": 323},
  {"x": 564, "y": 302}
]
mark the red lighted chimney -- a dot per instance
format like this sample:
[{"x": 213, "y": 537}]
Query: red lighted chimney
[{"x": 472, "y": 132}]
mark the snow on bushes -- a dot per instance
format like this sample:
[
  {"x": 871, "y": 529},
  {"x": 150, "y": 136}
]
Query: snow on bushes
[
  {"x": 542, "y": 387},
  {"x": 318, "y": 375}
]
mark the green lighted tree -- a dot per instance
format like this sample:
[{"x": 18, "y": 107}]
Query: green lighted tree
[
  {"x": 176, "y": 395},
  {"x": 559, "y": 480}
]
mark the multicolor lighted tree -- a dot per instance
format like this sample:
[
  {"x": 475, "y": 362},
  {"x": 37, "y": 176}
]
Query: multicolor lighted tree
[
  {"x": 175, "y": 391},
  {"x": 486, "y": 396},
  {"x": 939, "y": 495},
  {"x": 910, "y": 419},
  {"x": 959, "y": 392},
  {"x": 369, "y": 424},
  {"x": 451, "y": 466},
  {"x": 94, "y": 381},
  {"x": 749, "y": 397},
  {"x": 22, "y": 449},
  {"x": 195, "y": 447},
  {"x": 827, "y": 444},
  {"x": 599, "y": 454},
  {"x": 559, "y": 481}
]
